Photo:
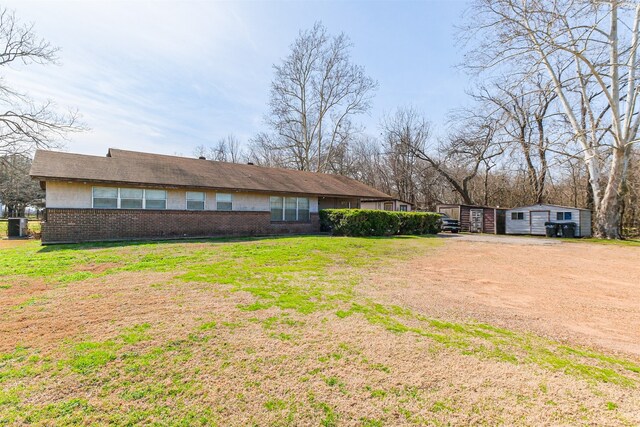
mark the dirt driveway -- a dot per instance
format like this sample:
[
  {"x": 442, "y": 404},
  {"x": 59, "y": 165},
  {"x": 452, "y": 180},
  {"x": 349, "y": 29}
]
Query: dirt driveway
[{"x": 582, "y": 293}]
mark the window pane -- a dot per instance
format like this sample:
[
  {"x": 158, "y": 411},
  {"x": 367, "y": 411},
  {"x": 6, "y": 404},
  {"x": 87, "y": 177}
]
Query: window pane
[
  {"x": 105, "y": 203},
  {"x": 290, "y": 209},
  {"x": 131, "y": 203},
  {"x": 195, "y": 195},
  {"x": 131, "y": 193},
  {"x": 560, "y": 216},
  {"x": 224, "y": 202},
  {"x": 195, "y": 205},
  {"x": 567, "y": 216},
  {"x": 303, "y": 209},
  {"x": 276, "y": 208},
  {"x": 105, "y": 193},
  {"x": 155, "y": 194},
  {"x": 156, "y": 204}
]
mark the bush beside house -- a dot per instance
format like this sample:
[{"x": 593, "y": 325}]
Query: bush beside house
[{"x": 366, "y": 222}]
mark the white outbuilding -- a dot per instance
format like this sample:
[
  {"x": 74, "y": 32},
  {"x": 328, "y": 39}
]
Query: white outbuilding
[{"x": 532, "y": 219}]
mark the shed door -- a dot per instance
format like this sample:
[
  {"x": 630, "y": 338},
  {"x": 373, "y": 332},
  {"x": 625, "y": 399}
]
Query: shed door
[
  {"x": 475, "y": 221},
  {"x": 537, "y": 220}
]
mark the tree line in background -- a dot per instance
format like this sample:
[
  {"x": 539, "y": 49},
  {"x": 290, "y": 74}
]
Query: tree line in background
[{"x": 553, "y": 114}]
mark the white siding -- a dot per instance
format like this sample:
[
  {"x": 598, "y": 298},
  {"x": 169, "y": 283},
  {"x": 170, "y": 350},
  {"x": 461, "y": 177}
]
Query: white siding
[
  {"x": 585, "y": 224},
  {"x": 529, "y": 225},
  {"x": 520, "y": 226}
]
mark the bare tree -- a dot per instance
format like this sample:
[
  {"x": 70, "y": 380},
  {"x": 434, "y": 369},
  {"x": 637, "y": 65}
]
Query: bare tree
[
  {"x": 589, "y": 51},
  {"x": 227, "y": 149},
  {"x": 468, "y": 147},
  {"x": 404, "y": 133},
  {"x": 315, "y": 94},
  {"x": 25, "y": 125},
  {"x": 17, "y": 189},
  {"x": 524, "y": 108}
]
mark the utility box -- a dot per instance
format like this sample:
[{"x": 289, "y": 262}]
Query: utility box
[{"x": 17, "y": 227}]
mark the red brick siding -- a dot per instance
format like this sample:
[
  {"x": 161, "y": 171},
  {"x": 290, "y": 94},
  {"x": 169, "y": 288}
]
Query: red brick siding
[{"x": 81, "y": 225}]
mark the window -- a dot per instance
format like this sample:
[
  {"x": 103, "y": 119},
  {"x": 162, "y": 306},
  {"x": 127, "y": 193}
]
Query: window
[
  {"x": 195, "y": 200},
  {"x": 155, "y": 199},
  {"x": 388, "y": 206},
  {"x": 517, "y": 215},
  {"x": 224, "y": 202},
  {"x": 131, "y": 198},
  {"x": 128, "y": 198},
  {"x": 289, "y": 208},
  {"x": 303, "y": 209},
  {"x": 276, "y": 208},
  {"x": 403, "y": 208},
  {"x": 563, "y": 216},
  {"x": 105, "y": 198}
]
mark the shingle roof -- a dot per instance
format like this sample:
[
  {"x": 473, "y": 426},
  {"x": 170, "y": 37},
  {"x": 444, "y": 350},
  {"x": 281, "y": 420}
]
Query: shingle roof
[{"x": 135, "y": 168}]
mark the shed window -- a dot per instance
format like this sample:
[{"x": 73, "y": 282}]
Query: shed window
[
  {"x": 195, "y": 200},
  {"x": 388, "y": 206},
  {"x": 224, "y": 202},
  {"x": 155, "y": 199},
  {"x": 105, "y": 198},
  {"x": 517, "y": 215},
  {"x": 131, "y": 198},
  {"x": 289, "y": 208},
  {"x": 403, "y": 208},
  {"x": 563, "y": 216}
]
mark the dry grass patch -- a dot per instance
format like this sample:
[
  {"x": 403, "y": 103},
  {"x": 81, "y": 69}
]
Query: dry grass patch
[{"x": 275, "y": 332}]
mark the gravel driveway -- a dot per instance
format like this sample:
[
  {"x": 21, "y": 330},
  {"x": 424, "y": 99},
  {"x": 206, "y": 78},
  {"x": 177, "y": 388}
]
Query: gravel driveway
[{"x": 582, "y": 293}]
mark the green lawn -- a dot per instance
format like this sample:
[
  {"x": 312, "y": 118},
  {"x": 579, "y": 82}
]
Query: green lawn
[{"x": 264, "y": 332}]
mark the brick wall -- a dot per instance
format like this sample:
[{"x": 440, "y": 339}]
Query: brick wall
[{"x": 81, "y": 225}]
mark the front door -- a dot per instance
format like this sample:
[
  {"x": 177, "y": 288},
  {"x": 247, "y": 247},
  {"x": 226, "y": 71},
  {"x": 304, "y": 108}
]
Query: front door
[
  {"x": 475, "y": 225},
  {"x": 537, "y": 220}
]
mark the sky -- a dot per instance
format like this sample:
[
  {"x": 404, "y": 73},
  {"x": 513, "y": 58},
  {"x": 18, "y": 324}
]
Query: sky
[{"x": 167, "y": 76}]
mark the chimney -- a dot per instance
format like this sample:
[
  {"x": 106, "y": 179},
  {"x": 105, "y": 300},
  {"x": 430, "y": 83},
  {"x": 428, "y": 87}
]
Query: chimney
[
  {"x": 250, "y": 163},
  {"x": 202, "y": 158}
]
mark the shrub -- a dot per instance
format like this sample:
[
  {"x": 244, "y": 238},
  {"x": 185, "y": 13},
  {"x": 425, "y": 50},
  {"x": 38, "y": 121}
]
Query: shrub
[{"x": 367, "y": 222}]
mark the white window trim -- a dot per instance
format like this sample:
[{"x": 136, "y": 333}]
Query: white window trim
[
  {"x": 284, "y": 208},
  {"x": 204, "y": 201},
  {"x": 119, "y": 199}
]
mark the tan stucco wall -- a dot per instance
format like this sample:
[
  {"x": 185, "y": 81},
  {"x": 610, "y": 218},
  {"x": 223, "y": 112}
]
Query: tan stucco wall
[
  {"x": 176, "y": 199},
  {"x": 68, "y": 195},
  {"x": 78, "y": 195}
]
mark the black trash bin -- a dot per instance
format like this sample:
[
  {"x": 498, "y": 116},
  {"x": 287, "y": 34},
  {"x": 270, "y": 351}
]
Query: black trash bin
[
  {"x": 17, "y": 227},
  {"x": 551, "y": 229},
  {"x": 569, "y": 229}
]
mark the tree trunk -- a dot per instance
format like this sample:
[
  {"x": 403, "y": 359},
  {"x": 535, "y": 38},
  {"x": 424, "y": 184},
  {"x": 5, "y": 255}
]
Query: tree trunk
[{"x": 607, "y": 224}]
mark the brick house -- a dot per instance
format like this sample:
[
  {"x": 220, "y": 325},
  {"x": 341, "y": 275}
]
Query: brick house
[{"x": 134, "y": 195}]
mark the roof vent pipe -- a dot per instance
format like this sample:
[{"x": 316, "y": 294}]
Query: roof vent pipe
[
  {"x": 202, "y": 158},
  {"x": 250, "y": 163}
]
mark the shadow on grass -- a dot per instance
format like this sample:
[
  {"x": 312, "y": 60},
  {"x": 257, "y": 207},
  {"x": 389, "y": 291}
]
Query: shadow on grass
[{"x": 213, "y": 240}]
